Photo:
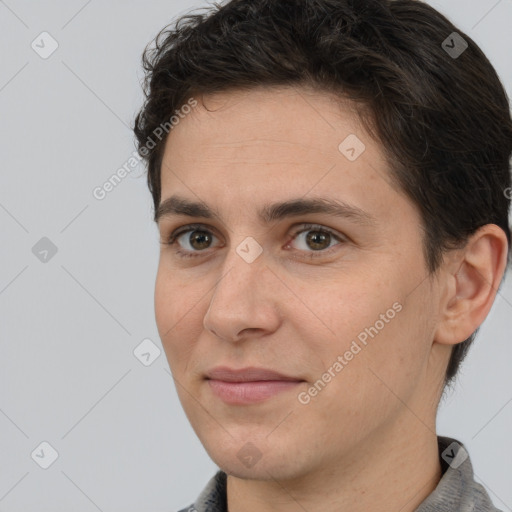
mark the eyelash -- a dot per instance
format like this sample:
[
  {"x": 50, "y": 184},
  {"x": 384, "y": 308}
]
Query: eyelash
[{"x": 200, "y": 227}]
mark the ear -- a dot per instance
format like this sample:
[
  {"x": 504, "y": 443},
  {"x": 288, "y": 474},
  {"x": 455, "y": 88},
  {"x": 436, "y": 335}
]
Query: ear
[{"x": 469, "y": 283}]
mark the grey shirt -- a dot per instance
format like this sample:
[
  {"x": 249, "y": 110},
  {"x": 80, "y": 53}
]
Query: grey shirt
[{"x": 457, "y": 490}]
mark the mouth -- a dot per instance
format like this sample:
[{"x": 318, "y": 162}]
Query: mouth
[
  {"x": 248, "y": 385},
  {"x": 240, "y": 393}
]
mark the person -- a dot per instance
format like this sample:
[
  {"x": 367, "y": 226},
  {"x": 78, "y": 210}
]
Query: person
[{"x": 331, "y": 187}]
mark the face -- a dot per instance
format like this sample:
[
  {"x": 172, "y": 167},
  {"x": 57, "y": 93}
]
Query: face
[{"x": 339, "y": 301}]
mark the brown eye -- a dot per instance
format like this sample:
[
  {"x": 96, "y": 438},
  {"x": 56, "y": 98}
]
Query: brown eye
[
  {"x": 199, "y": 240},
  {"x": 315, "y": 240},
  {"x": 192, "y": 241}
]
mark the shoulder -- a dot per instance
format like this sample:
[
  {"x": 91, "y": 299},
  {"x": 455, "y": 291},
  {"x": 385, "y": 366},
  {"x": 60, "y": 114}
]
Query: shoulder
[
  {"x": 457, "y": 491},
  {"x": 213, "y": 497}
]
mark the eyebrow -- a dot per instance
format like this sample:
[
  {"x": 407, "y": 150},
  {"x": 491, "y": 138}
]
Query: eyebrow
[{"x": 178, "y": 205}]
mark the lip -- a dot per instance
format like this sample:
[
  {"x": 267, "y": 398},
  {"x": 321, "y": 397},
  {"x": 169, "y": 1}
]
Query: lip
[
  {"x": 243, "y": 393},
  {"x": 249, "y": 374},
  {"x": 248, "y": 385}
]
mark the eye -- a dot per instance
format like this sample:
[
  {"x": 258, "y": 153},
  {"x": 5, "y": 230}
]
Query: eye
[
  {"x": 198, "y": 239},
  {"x": 314, "y": 240}
]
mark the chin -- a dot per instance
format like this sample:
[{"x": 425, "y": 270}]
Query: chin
[
  {"x": 251, "y": 461},
  {"x": 264, "y": 471}
]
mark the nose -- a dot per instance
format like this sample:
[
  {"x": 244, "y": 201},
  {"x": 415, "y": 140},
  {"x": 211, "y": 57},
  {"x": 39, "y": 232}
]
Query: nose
[{"x": 245, "y": 299}]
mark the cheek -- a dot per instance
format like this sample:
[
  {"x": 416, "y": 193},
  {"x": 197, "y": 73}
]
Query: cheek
[
  {"x": 373, "y": 318},
  {"x": 398, "y": 340},
  {"x": 175, "y": 299},
  {"x": 173, "y": 313},
  {"x": 164, "y": 304},
  {"x": 364, "y": 389},
  {"x": 346, "y": 308}
]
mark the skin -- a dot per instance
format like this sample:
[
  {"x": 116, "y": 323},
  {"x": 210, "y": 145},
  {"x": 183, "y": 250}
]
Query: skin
[{"x": 367, "y": 440}]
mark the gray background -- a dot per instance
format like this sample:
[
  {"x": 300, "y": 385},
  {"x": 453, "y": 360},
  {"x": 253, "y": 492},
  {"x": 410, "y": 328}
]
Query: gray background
[{"x": 69, "y": 326}]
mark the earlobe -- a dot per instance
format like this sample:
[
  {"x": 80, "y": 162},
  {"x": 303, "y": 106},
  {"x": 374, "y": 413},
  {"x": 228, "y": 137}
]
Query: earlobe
[{"x": 470, "y": 284}]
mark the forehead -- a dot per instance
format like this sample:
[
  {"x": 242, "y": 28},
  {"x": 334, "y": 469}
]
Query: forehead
[
  {"x": 272, "y": 143},
  {"x": 289, "y": 118}
]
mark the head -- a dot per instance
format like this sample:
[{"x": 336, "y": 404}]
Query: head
[{"x": 256, "y": 103}]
